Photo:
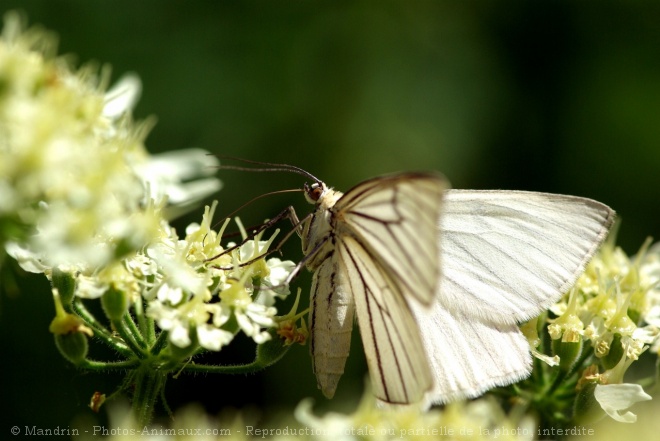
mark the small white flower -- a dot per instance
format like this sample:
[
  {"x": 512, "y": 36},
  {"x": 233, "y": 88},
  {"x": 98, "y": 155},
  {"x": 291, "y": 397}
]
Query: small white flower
[
  {"x": 66, "y": 160},
  {"x": 142, "y": 266},
  {"x": 213, "y": 338},
  {"x": 179, "y": 335},
  {"x": 272, "y": 286},
  {"x": 653, "y": 316},
  {"x": 90, "y": 287},
  {"x": 167, "y": 318},
  {"x": 171, "y": 258},
  {"x": 171, "y": 295},
  {"x": 181, "y": 319},
  {"x": 74, "y": 171},
  {"x": 253, "y": 318},
  {"x": 616, "y": 398},
  {"x": 252, "y": 249}
]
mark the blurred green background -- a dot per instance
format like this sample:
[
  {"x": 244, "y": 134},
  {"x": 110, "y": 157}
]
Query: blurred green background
[{"x": 556, "y": 96}]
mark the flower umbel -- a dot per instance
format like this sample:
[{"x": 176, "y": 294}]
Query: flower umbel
[
  {"x": 602, "y": 327},
  {"x": 83, "y": 202}
]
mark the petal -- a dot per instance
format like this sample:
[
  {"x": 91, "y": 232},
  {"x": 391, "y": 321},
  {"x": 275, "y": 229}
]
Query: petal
[
  {"x": 179, "y": 336},
  {"x": 279, "y": 270},
  {"x": 27, "y": 260},
  {"x": 213, "y": 338},
  {"x": 122, "y": 96},
  {"x": 246, "y": 324},
  {"x": 90, "y": 287},
  {"x": 614, "y": 398},
  {"x": 220, "y": 313},
  {"x": 653, "y": 316},
  {"x": 261, "y": 337}
]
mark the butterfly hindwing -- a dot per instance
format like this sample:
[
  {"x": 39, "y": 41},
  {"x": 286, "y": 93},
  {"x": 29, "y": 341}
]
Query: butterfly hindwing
[{"x": 392, "y": 344}]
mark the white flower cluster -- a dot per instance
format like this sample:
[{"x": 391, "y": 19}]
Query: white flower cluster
[
  {"x": 190, "y": 290},
  {"x": 193, "y": 286},
  {"x": 75, "y": 178},
  {"x": 79, "y": 193},
  {"x": 615, "y": 308}
]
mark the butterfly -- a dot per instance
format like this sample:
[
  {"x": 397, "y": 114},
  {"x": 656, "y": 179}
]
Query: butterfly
[{"x": 438, "y": 280}]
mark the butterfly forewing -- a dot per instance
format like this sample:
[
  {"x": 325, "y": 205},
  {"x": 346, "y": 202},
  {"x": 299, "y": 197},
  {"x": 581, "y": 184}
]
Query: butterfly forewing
[
  {"x": 515, "y": 253},
  {"x": 396, "y": 218}
]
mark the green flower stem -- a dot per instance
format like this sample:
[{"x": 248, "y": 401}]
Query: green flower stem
[
  {"x": 160, "y": 343},
  {"x": 108, "y": 366},
  {"x": 249, "y": 368},
  {"x": 148, "y": 384},
  {"x": 151, "y": 331},
  {"x": 579, "y": 364},
  {"x": 100, "y": 331},
  {"x": 539, "y": 372},
  {"x": 568, "y": 394},
  {"x": 267, "y": 354},
  {"x": 166, "y": 406},
  {"x": 556, "y": 383},
  {"x": 133, "y": 329},
  {"x": 561, "y": 376},
  {"x": 145, "y": 324},
  {"x": 130, "y": 335},
  {"x": 80, "y": 309}
]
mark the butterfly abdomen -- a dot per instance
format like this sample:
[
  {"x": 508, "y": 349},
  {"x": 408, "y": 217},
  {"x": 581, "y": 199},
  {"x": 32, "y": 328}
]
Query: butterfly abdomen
[{"x": 331, "y": 322}]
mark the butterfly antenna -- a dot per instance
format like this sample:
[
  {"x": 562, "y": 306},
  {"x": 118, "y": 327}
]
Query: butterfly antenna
[{"x": 266, "y": 167}]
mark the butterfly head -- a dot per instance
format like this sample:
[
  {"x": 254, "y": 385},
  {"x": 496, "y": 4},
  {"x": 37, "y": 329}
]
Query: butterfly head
[{"x": 315, "y": 191}]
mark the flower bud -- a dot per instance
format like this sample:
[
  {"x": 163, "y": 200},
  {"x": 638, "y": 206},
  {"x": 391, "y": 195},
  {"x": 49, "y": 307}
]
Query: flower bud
[
  {"x": 97, "y": 401},
  {"x": 114, "y": 303},
  {"x": 271, "y": 351},
  {"x": 72, "y": 346},
  {"x": 568, "y": 348},
  {"x": 65, "y": 284},
  {"x": 614, "y": 355},
  {"x": 587, "y": 410}
]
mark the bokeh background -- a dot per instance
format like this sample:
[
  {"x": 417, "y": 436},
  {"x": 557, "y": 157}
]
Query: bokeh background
[{"x": 556, "y": 96}]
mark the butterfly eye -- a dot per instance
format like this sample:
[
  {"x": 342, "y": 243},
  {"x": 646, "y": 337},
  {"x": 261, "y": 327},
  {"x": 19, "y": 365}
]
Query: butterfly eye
[{"x": 313, "y": 192}]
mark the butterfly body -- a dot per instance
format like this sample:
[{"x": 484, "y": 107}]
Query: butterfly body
[
  {"x": 332, "y": 310},
  {"x": 345, "y": 241}
]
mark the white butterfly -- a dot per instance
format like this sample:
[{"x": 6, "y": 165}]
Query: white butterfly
[{"x": 376, "y": 252}]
